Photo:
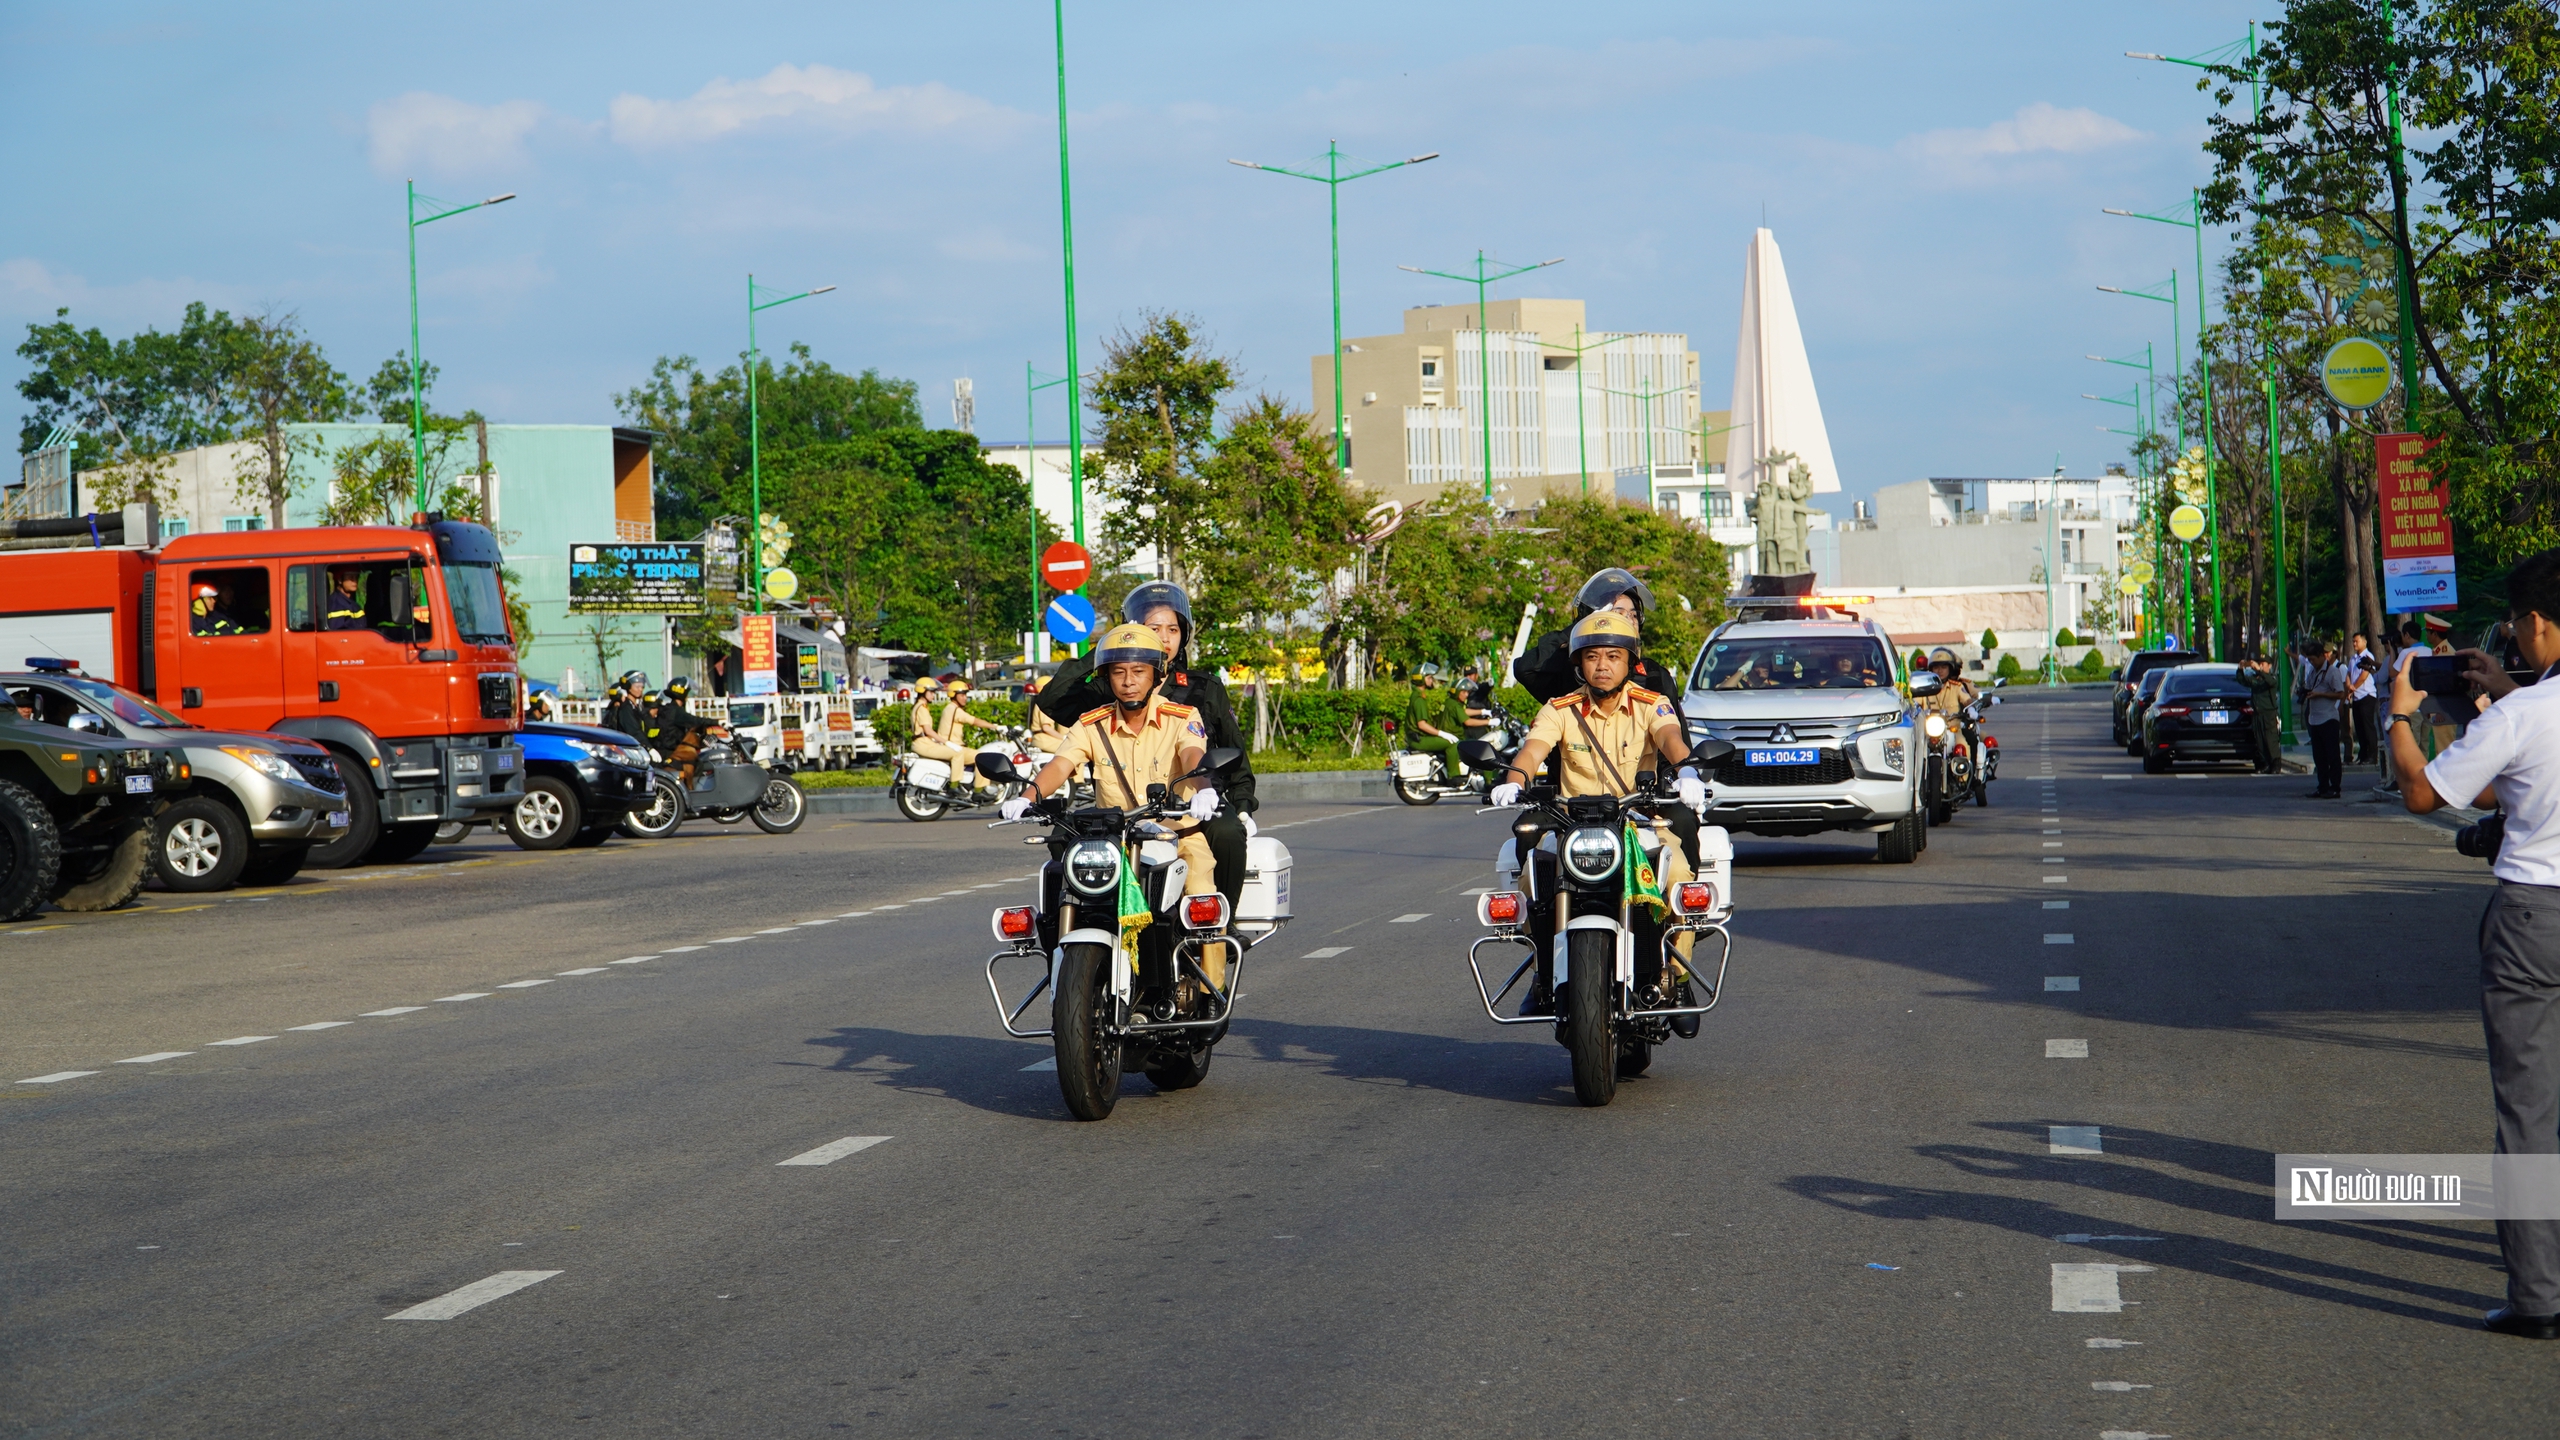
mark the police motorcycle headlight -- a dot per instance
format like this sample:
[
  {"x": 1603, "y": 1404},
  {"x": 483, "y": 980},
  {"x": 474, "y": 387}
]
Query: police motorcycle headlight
[
  {"x": 1936, "y": 725},
  {"x": 1591, "y": 854},
  {"x": 1093, "y": 867}
]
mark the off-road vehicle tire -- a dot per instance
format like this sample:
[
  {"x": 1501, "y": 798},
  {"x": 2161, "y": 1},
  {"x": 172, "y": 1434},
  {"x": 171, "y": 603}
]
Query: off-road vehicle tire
[
  {"x": 30, "y": 852},
  {"x": 111, "y": 878}
]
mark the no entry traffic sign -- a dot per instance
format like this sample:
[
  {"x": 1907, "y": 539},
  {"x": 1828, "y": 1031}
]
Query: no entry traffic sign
[
  {"x": 1070, "y": 619},
  {"x": 1065, "y": 566}
]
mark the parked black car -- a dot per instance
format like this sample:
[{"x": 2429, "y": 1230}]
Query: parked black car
[
  {"x": 2130, "y": 674},
  {"x": 2201, "y": 712},
  {"x": 2145, "y": 690}
]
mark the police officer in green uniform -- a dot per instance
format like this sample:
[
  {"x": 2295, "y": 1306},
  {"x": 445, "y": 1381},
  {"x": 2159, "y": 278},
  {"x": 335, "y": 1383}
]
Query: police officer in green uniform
[
  {"x": 2260, "y": 676},
  {"x": 1432, "y": 722}
]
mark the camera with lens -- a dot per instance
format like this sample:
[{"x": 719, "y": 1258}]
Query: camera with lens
[{"x": 2482, "y": 837}]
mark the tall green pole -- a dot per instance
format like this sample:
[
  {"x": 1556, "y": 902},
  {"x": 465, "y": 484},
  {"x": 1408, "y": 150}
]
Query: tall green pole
[
  {"x": 2400, "y": 218},
  {"x": 1581, "y": 434},
  {"x": 1067, "y": 250},
  {"x": 2275, "y": 431},
  {"x": 755, "y": 459},
  {"x": 1031, "y": 489},
  {"x": 417, "y": 363},
  {"x": 1484, "y": 369},
  {"x": 2212, "y": 492}
]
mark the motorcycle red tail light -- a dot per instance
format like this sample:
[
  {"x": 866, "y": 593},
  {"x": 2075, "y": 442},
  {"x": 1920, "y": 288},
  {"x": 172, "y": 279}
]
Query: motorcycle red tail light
[
  {"x": 1204, "y": 912},
  {"x": 1502, "y": 908},
  {"x": 1693, "y": 897},
  {"x": 1019, "y": 922}
]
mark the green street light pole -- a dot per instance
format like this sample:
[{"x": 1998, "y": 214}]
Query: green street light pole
[
  {"x": 1333, "y": 180},
  {"x": 417, "y": 360},
  {"x": 1067, "y": 252},
  {"x": 2177, "y": 382},
  {"x": 1484, "y": 368},
  {"x": 1581, "y": 435},
  {"x": 1032, "y": 385},
  {"x": 1646, "y": 394},
  {"x": 2204, "y": 368},
  {"x": 755, "y": 438},
  {"x": 2149, "y": 427}
]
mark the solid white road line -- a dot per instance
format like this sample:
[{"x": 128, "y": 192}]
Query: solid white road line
[
  {"x": 777, "y": 930},
  {"x": 2090, "y": 1289},
  {"x": 2073, "y": 1140},
  {"x": 733, "y": 940},
  {"x": 2066, "y": 1049},
  {"x": 1408, "y": 919},
  {"x": 523, "y": 984},
  {"x": 1050, "y": 1063},
  {"x": 2061, "y": 982},
  {"x": 805, "y": 924},
  {"x": 458, "y": 999},
  {"x": 473, "y": 1295},
  {"x": 394, "y": 1010},
  {"x": 155, "y": 1057},
  {"x": 631, "y": 959},
  {"x": 244, "y": 1040},
  {"x": 833, "y": 1150},
  {"x": 320, "y": 1025},
  {"x": 888, "y": 907},
  {"x": 673, "y": 950},
  {"x": 1326, "y": 953},
  {"x": 2057, "y": 938},
  {"x": 853, "y": 914},
  {"x": 57, "y": 1077},
  {"x": 587, "y": 970}
]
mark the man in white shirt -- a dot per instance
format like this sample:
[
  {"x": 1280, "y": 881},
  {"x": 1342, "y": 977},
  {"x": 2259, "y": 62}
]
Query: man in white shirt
[
  {"x": 2324, "y": 690},
  {"x": 2510, "y": 757},
  {"x": 2362, "y": 698}
]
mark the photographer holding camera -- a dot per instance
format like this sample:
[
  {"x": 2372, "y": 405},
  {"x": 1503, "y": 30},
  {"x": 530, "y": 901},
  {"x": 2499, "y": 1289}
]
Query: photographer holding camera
[{"x": 2510, "y": 758}]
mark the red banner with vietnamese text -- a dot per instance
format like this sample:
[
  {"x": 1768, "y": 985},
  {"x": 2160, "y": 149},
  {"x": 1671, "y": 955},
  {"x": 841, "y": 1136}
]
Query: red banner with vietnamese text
[{"x": 2414, "y": 523}]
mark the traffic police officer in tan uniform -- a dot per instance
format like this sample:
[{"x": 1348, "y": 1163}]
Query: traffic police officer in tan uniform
[{"x": 1138, "y": 740}]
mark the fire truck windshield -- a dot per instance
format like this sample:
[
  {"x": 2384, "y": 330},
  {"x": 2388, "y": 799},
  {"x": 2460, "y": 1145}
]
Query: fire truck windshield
[{"x": 479, "y": 608}]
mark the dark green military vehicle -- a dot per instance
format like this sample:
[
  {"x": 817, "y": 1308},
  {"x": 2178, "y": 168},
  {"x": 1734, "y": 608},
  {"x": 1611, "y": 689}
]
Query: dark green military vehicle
[{"x": 75, "y": 814}]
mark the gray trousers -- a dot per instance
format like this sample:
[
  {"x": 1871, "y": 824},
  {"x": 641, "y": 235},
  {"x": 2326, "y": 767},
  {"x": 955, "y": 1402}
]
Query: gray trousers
[{"x": 2520, "y": 1010}]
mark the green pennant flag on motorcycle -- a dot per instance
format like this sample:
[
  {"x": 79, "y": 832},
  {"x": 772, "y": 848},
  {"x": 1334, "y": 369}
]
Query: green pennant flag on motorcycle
[
  {"x": 1644, "y": 887},
  {"x": 1134, "y": 914}
]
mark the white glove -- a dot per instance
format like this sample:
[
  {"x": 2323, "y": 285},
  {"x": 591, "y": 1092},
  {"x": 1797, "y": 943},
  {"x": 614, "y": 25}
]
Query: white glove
[
  {"x": 1015, "y": 808},
  {"x": 1250, "y": 829},
  {"x": 1693, "y": 791},
  {"x": 1204, "y": 804},
  {"x": 1506, "y": 793}
]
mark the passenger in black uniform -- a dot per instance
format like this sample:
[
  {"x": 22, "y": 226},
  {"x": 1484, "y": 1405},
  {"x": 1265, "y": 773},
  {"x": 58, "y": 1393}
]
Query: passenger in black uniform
[
  {"x": 1074, "y": 690},
  {"x": 1547, "y": 670}
]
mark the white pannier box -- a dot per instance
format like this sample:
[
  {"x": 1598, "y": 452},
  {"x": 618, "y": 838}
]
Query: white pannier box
[
  {"x": 1417, "y": 765},
  {"x": 1265, "y": 902},
  {"x": 929, "y": 774}
]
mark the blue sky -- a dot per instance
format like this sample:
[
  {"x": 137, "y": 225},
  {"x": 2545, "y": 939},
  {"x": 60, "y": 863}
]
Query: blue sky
[{"x": 1934, "y": 175}]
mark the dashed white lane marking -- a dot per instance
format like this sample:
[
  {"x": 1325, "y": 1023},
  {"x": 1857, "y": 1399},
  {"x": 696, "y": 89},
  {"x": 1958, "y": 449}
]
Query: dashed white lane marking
[
  {"x": 2061, "y": 982},
  {"x": 2116, "y": 1385},
  {"x": 2090, "y": 1289},
  {"x": 888, "y": 907},
  {"x": 155, "y": 1057},
  {"x": 320, "y": 1025},
  {"x": 806, "y": 924},
  {"x": 2057, "y": 879},
  {"x": 777, "y": 930},
  {"x": 853, "y": 914},
  {"x": 1409, "y": 919},
  {"x": 947, "y": 894},
  {"x": 2066, "y": 1049},
  {"x": 458, "y": 999},
  {"x": 394, "y": 1010},
  {"x": 1050, "y": 1063},
  {"x": 57, "y": 1077},
  {"x": 2055, "y": 860},
  {"x": 917, "y": 900},
  {"x": 2073, "y": 1140},
  {"x": 2085, "y": 1239},
  {"x": 585, "y": 970},
  {"x": 833, "y": 1150},
  {"x": 2057, "y": 904},
  {"x": 2053, "y": 844},
  {"x": 1326, "y": 953},
  {"x": 2058, "y": 938},
  {"x": 733, "y": 940},
  {"x": 522, "y": 984},
  {"x": 633, "y": 959},
  {"x": 473, "y": 1295},
  {"x": 2101, "y": 1342},
  {"x": 244, "y": 1040},
  {"x": 2115, "y": 777}
]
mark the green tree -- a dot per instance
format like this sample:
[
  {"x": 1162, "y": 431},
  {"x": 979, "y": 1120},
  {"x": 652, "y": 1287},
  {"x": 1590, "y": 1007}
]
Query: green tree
[
  {"x": 1448, "y": 584},
  {"x": 1685, "y": 569},
  {"x": 280, "y": 377},
  {"x": 1155, "y": 398},
  {"x": 1990, "y": 639},
  {"x": 701, "y": 422},
  {"x": 386, "y": 396},
  {"x": 1274, "y": 524}
]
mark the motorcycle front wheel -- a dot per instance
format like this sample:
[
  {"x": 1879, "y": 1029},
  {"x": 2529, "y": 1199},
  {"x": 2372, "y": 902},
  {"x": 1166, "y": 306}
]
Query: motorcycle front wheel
[
  {"x": 659, "y": 818},
  {"x": 916, "y": 806},
  {"x": 782, "y": 807},
  {"x": 1590, "y": 1024},
  {"x": 1088, "y": 1059}
]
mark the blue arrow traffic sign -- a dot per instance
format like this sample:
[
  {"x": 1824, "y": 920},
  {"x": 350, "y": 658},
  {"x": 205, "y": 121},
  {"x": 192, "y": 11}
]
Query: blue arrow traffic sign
[{"x": 1070, "y": 619}]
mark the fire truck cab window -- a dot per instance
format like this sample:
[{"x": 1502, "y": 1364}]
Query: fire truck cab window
[
  {"x": 387, "y": 598},
  {"x": 228, "y": 602}
]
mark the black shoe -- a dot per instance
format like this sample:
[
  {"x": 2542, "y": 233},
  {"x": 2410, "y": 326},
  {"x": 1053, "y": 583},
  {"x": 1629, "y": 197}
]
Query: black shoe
[
  {"x": 2506, "y": 1321},
  {"x": 1684, "y": 1026}
]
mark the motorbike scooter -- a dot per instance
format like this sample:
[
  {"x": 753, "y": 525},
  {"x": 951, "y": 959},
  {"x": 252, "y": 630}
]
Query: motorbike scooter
[
  {"x": 1416, "y": 774},
  {"x": 1113, "y": 888},
  {"x": 925, "y": 789},
  {"x": 1963, "y": 761},
  {"x": 727, "y": 786},
  {"x": 1601, "y": 933}
]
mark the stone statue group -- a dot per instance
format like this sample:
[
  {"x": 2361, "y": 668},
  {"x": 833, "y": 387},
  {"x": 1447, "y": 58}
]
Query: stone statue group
[{"x": 1782, "y": 511}]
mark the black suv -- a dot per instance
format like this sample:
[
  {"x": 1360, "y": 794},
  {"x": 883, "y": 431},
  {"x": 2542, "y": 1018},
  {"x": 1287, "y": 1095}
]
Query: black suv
[{"x": 2136, "y": 666}]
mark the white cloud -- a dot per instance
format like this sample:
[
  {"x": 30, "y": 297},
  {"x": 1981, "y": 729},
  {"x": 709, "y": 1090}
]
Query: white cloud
[
  {"x": 437, "y": 134},
  {"x": 818, "y": 97},
  {"x": 2037, "y": 129},
  {"x": 30, "y": 289}
]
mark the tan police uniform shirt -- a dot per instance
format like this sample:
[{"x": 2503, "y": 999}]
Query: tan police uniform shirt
[
  {"x": 1625, "y": 738},
  {"x": 1149, "y": 752}
]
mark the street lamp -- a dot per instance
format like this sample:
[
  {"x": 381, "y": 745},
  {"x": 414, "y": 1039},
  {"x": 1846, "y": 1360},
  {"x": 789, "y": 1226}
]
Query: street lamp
[
  {"x": 2151, "y": 389},
  {"x": 445, "y": 210},
  {"x": 755, "y": 437},
  {"x": 2204, "y": 367},
  {"x": 2177, "y": 381},
  {"x": 1645, "y": 393},
  {"x": 1333, "y": 180},
  {"x": 2144, "y": 429},
  {"x": 1067, "y": 253},
  {"x": 1581, "y": 437},
  {"x": 1032, "y": 385},
  {"x": 1484, "y": 369}
]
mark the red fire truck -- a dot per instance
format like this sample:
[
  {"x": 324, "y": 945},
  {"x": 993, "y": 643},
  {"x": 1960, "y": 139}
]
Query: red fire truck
[{"x": 390, "y": 646}]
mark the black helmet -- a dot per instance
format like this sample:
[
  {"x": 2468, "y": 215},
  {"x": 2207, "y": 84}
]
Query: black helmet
[
  {"x": 632, "y": 679},
  {"x": 676, "y": 691},
  {"x": 537, "y": 701},
  {"x": 1152, "y": 594},
  {"x": 1607, "y": 585}
]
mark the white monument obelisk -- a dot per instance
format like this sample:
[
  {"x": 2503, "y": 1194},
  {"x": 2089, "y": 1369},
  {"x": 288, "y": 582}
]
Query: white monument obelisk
[{"x": 1774, "y": 407}]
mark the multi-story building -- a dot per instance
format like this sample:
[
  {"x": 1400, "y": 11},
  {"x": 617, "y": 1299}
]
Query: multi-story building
[{"x": 1949, "y": 558}]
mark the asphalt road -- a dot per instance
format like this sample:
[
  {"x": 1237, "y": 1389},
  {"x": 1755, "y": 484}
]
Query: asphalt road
[{"x": 1380, "y": 1216}]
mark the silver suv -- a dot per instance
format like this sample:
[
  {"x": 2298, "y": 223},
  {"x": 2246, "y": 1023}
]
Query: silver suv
[{"x": 1824, "y": 737}]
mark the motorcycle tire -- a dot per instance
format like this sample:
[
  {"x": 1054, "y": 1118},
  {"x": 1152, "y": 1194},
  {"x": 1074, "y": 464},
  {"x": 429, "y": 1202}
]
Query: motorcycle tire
[
  {"x": 659, "y": 818},
  {"x": 1590, "y": 1024},
  {"x": 1406, "y": 793},
  {"x": 1634, "y": 1058},
  {"x": 728, "y": 817},
  {"x": 1181, "y": 1072},
  {"x": 782, "y": 808},
  {"x": 1941, "y": 811},
  {"x": 917, "y": 806},
  {"x": 1981, "y": 795},
  {"x": 1088, "y": 1060}
]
